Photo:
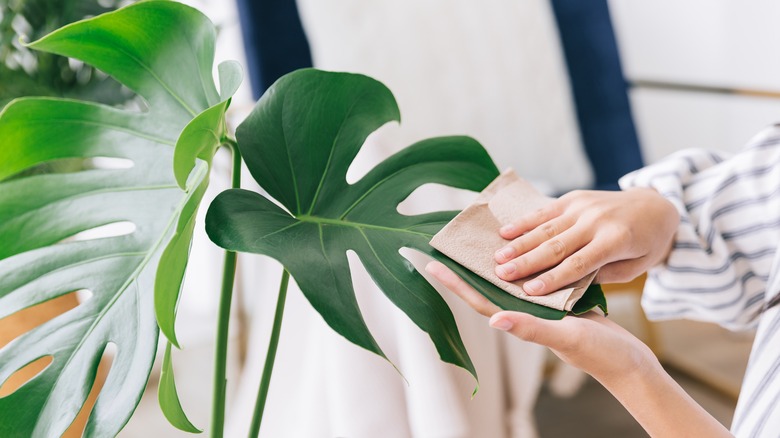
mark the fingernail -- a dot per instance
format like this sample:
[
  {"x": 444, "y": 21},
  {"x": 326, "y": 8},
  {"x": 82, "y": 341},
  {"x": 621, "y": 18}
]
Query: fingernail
[
  {"x": 505, "y": 270},
  {"x": 502, "y": 324},
  {"x": 505, "y": 253},
  {"x": 533, "y": 286},
  {"x": 507, "y": 229}
]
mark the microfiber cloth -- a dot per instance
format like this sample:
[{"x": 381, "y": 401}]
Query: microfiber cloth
[{"x": 472, "y": 238}]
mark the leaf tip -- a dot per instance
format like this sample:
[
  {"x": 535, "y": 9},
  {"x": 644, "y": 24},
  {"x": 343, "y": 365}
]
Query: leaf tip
[
  {"x": 170, "y": 335},
  {"x": 476, "y": 390},
  {"x": 181, "y": 178},
  {"x": 168, "y": 397}
]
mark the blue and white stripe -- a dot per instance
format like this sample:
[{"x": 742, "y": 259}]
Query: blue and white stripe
[{"x": 725, "y": 263}]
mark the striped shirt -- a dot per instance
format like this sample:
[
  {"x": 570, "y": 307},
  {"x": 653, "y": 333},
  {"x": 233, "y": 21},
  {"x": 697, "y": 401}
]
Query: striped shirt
[{"x": 725, "y": 265}]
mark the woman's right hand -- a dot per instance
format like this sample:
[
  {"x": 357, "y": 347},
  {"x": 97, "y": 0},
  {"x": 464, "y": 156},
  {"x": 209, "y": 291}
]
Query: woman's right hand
[{"x": 620, "y": 233}]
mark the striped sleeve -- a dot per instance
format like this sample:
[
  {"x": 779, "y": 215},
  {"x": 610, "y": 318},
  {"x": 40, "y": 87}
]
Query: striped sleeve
[
  {"x": 729, "y": 232},
  {"x": 758, "y": 409}
]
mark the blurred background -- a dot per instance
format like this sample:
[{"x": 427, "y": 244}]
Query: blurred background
[{"x": 570, "y": 94}]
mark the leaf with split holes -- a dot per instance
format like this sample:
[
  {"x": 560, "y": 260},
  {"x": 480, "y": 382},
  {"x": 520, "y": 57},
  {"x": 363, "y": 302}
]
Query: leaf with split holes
[
  {"x": 164, "y": 52},
  {"x": 298, "y": 144}
]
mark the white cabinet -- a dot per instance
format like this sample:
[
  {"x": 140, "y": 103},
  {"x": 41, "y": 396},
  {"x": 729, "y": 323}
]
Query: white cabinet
[
  {"x": 720, "y": 43},
  {"x": 671, "y": 120},
  {"x": 691, "y": 62}
]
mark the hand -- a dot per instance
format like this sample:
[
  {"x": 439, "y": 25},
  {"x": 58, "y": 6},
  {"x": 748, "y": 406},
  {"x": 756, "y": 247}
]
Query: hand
[
  {"x": 618, "y": 360},
  {"x": 590, "y": 342},
  {"x": 621, "y": 233}
]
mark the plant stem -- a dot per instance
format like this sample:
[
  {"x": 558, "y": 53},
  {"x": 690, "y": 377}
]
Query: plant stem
[
  {"x": 265, "y": 381},
  {"x": 223, "y": 319}
]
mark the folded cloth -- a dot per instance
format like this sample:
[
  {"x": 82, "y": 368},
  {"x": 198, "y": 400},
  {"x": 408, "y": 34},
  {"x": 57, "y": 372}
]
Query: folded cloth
[{"x": 472, "y": 238}]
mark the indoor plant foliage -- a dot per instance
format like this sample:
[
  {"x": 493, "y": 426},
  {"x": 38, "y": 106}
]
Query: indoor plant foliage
[
  {"x": 164, "y": 52},
  {"x": 298, "y": 144},
  {"x": 25, "y": 72}
]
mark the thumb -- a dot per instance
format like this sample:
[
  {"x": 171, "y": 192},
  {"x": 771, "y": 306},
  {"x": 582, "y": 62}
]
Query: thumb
[{"x": 552, "y": 334}]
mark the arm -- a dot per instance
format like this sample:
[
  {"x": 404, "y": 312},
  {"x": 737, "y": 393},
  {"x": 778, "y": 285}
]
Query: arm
[{"x": 614, "y": 357}]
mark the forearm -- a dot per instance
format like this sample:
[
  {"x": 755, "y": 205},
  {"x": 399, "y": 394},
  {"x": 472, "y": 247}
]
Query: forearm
[{"x": 661, "y": 406}]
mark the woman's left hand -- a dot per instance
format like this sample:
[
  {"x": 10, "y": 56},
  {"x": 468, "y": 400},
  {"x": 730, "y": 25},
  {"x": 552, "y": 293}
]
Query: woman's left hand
[
  {"x": 590, "y": 342},
  {"x": 603, "y": 349}
]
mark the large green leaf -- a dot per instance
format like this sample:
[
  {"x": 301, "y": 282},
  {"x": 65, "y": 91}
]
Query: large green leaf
[
  {"x": 164, "y": 52},
  {"x": 298, "y": 143}
]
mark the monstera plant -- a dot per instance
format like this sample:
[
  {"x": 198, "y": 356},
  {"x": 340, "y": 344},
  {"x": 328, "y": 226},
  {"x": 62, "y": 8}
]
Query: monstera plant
[{"x": 298, "y": 144}]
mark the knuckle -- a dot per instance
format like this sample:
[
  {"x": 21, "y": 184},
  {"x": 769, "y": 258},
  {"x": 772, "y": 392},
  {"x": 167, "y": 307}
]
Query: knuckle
[
  {"x": 540, "y": 215},
  {"x": 518, "y": 245},
  {"x": 483, "y": 308},
  {"x": 528, "y": 264},
  {"x": 568, "y": 195},
  {"x": 549, "y": 278},
  {"x": 557, "y": 247},
  {"x": 509, "y": 271},
  {"x": 621, "y": 233},
  {"x": 528, "y": 333},
  {"x": 549, "y": 230},
  {"x": 597, "y": 255},
  {"x": 578, "y": 265},
  {"x": 574, "y": 195}
]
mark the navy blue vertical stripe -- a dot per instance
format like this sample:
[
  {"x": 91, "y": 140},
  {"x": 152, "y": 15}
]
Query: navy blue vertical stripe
[
  {"x": 599, "y": 89},
  {"x": 274, "y": 41}
]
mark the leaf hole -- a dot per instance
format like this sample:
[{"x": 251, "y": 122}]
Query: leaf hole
[
  {"x": 24, "y": 374},
  {"x": 371, "y": 299},
  {"x": 84, "y": 295},
  {"x": 60, "y": 165},
  {"x": 79, "y": 424},
  {"x": 378, "y": 146},
  {"x": 109, "y": 163},
  {"x": 74, "y": 165},
  {"x": 21, "y": 322},
  {"x": 114, "y": 229},
  {"x": 429, "y": 198},
  {"x": 134, "y": 103}
]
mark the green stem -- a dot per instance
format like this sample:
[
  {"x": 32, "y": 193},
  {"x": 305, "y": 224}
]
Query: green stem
[
  {"x": 265, "y": 381},
  {"x": 223, "y": 319}
]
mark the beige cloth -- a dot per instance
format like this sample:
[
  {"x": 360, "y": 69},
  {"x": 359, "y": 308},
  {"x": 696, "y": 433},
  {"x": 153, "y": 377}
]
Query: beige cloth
[{"x": 472, "y": 238}]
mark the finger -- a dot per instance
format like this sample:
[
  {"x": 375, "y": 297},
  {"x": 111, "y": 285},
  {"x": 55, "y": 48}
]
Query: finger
[
  {"x": 572, "y": 268},
  {"x": 550, "y": 253},
  {"x": 557, "y": 335},
  {"x": 534, "y": 238},
  {"x": 532, "y": 220},
  {"x": 459, "y": 287}
]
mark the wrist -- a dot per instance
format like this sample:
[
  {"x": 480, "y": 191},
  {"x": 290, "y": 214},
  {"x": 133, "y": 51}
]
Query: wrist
[{"x": 642, "y": 369}]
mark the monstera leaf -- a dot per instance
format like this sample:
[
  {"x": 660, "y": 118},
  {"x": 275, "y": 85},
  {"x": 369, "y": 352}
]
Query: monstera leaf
[
  {"x": 164, "y": 52},
  {"x": 298, "y": 144}
]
